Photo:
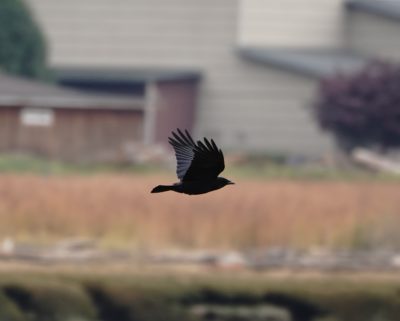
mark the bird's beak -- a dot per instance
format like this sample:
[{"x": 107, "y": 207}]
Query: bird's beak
[{"x": 231, "y": 183}]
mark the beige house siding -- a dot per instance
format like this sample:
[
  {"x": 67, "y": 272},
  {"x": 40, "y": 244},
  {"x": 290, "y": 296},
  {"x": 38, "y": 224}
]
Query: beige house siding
[
  {"x": 138, "y": 32},
  {"x": 291, "y": 23},
  {"x": 374, "y": 35},
  {"x": 246, "y": 106},
  {"x": 253, "y": 107}
]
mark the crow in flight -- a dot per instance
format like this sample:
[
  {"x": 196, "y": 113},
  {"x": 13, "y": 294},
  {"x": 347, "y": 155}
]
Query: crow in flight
[{"x": 198, "y": 166}]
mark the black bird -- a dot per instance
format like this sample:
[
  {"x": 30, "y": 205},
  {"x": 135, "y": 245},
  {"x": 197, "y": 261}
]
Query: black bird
[{"x": 198, "y": 166}]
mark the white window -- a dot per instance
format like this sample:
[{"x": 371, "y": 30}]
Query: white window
[{"x": 37, "y": 117}]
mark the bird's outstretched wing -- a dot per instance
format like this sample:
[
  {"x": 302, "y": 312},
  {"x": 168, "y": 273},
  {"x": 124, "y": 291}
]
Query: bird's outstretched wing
[{"x": 196, "y": 161}]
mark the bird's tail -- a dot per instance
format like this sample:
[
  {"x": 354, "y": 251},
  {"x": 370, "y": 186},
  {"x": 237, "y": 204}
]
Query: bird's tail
[{"x": 162, "y": 188}]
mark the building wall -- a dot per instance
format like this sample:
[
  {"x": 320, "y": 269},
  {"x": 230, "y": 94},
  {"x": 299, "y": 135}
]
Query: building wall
[
  {"x": 243, "y": 105},
  {"x": 374, "y": 35},
  {"x": 75, "y": 135},
  {"x": 291, "y": 23},
  {"x": 15, "y": 137},
  {"x": 9, "y": 128},
  {"x": 175, "y": 106},
  {"x": 95, "y": 135}
]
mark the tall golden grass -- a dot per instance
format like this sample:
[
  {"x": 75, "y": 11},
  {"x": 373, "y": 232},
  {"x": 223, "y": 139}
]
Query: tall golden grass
[{"x": 120, "y": 211}]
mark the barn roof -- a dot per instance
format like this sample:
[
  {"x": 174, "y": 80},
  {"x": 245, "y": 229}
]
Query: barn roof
[
  {"x": 125, "y": 75},
  {"x": 309, "y": 62},
  {"x": 16, "y": 91},
  {"x": 385, "y": 8}
]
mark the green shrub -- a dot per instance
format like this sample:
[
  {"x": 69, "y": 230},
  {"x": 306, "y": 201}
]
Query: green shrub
[
  {"x": 125, "y": 303},
  {"x": 22, "y": 45},
  {"x": 364, "y": 306},
  {"x": 9, "y": 311},
  {"x": 51, "y": 301}
]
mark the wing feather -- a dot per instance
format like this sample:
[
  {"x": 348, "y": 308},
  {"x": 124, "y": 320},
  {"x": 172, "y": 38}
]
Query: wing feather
[
  {"x": 214, "y": 145},
  {"x": 196, "y": 161},
  {"x": 209, "y": 146}
]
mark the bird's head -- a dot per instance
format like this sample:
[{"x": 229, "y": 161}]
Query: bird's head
[{"x": 223, "y": 181}]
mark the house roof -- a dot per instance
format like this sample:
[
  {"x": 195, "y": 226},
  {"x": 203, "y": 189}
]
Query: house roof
[
  {"x": 15, "y": 91},
  {"x": 130, "y": 75},
  {"x": 385, "y": 8},
  {"x": 310, "y": 62}
]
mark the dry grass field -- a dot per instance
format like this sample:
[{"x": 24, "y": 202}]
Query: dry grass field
[{"x": 119, "y": 210}]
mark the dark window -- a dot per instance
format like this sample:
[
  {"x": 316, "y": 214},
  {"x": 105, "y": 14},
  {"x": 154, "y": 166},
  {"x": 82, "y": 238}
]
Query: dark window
[{"x": 106, "y": 87}]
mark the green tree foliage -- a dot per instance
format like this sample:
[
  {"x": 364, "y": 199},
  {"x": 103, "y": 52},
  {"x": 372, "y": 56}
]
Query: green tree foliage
[
  {"x": 22, "y": 45},
  {"x": 363, "y": 108}
]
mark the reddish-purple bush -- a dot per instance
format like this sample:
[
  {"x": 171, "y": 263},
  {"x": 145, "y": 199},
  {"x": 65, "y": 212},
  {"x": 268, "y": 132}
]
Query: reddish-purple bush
[{"x": 363, "y": 108}]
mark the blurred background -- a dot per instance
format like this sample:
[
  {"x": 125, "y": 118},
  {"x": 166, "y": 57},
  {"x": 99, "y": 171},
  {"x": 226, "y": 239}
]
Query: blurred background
[{"x": 303, "y": 97}]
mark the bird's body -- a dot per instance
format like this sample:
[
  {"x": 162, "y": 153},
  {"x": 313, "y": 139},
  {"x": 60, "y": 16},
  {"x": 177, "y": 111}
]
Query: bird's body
[
  {"x": 194, "y": 187},
  {"x": 198, "y": 166}
]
